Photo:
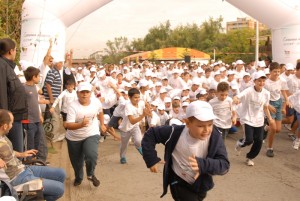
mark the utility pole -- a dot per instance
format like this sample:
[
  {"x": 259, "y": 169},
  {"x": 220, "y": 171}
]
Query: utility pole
[
  {"x": 7, "y": 17},
  {"x": 257, "y": 42}
]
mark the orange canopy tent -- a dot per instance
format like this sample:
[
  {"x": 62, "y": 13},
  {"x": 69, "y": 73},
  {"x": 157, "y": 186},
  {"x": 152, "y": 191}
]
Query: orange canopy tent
[{"x": 168, "y": 54}]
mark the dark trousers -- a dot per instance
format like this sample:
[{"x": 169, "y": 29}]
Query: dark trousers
[
  {"x": 15, "y": 135},
  {"x": 224, "y": 132},
  {"x": 83, "y": 150},
  {"x": 254, "y": 136},
  {"x": 43, "y": 149},
  {"x": 182, "y": 191}
]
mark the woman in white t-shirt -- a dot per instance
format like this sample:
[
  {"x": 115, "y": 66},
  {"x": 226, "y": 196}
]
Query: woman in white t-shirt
[{"x": 83, "y": 133}]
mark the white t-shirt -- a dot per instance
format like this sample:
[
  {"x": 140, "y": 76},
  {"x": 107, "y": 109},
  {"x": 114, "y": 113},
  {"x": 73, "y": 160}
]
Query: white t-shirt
[
  {"x": 44, "y": 69},
  {"x": 154, "y": 120},
  {"x": 275, "y": 87},
  {"x": 177, "y": 83},
  {"x": 295, "y": 101},
  {"x": 133, "y": 111},
  {"x": 163, "y": 118},
  {"x": 66, "y": 98},
  {"x": 119, "y": 110},
  {"x": 251, "y": 111},
  {"x": 186, "y": 147},
  {"x": 293, "y": 84},
  {"x": 76, "y": 113},
  {"x": 223, "y": 112}
]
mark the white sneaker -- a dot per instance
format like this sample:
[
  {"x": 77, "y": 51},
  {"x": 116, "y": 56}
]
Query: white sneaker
[
  {"x": 101, "y": 139},
  {"x": 288, "y": 126},
  {"x": 238, "y": 148},
  {"x": 249, "y": 162},
  {"x": 296, "y": 144}
]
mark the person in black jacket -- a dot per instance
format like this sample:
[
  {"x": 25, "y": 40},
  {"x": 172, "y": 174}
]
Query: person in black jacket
[
  {"x": 193, "y": 153},
  {"x": 12, "y": 93}
]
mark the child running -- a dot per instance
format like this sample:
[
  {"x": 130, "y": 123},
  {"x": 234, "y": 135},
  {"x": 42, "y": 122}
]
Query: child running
[
  {"x": 193, "y": 153},
  {"x": 255, "y": 101},
  {"x": 135, "y": 111}
]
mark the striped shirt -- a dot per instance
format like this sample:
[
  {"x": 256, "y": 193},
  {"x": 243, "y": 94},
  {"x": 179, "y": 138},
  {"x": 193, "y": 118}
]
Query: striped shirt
[{"x": 54, "y": 79}]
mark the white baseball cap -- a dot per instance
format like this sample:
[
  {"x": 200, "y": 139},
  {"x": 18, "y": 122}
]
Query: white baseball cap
[
  {"x": 84, "y": 86},
  {"x": 246, "y": 74},
  {"x": 158, "y": 84},
  {"x": 176, "y": 98},
  {"x": 174, "y": 121},
  {"x": 143, "y": 83},
  {"x": 259, "y": 74},
  {"x": 290, "y": 66},
  {"x": 167, "y": 100},
  {"x": 161, "y": 107},
  {"x": 93, "y": 69},
  {"x": 239, "y": 62},
  {"x": 185, "y": 104},
  {"x": 196, "y": 81},
  {"x": 201, "y": 110},
  {"x": 101, "y": 73},
  {"x": 162, "y": 90},
  {"x": 230, "y": 72},
  {"x": 261, "y": 64}
]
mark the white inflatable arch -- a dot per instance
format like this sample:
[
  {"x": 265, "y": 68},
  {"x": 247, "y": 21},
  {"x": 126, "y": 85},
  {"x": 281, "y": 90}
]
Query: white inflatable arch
[
  {"x": 283, "y": 17},
  {"x": 45, "y": 19}
]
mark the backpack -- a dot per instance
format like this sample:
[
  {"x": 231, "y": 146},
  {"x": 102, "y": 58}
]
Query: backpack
[{"x": 7, "y": 190}]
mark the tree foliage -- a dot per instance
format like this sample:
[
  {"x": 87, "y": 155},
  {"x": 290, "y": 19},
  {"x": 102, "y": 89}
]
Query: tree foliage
[
  {"x": 10, "y": 18},
  {"x": 207, "y": 37},
  {"x": 116, "y": 50}
]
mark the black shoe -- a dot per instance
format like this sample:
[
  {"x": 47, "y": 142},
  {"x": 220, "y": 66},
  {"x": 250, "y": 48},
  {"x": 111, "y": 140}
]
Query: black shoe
[
  {"x": 77, "y": 182},
  {"x": 95, "y": 181},
  {"x": 270, "y": 153}
]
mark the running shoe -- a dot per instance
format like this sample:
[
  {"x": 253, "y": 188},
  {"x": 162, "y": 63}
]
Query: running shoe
[
  {"x": 95, "y": 181},
  {"x": 296, "y": 144},
  {"x": 123, "y": 160},
  {"x": 249, "y": 162},
  {"x": 292, "y": 136},
  {"x": 288, "y": 126},
  {"x": 238, "y": 148},
  {"x": 270, "y": 153}
]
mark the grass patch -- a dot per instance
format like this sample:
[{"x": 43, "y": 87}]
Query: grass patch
[{"x": 51, "y": 150}]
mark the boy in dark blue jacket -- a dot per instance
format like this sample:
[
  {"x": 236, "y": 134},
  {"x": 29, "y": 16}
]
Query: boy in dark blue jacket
[{"x": 193, "y": 153}]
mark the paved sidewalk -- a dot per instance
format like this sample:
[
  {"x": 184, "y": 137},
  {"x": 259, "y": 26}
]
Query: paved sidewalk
[{"x": 273, "y": 179}]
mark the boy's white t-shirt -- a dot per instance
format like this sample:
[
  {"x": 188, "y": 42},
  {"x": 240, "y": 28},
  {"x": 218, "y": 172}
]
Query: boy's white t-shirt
[
  {"x": 186, "y": 147},
  {"x": 135, "y": 112},
  {"x": 76, "y": 113},
  {"x": 275, "y": 87},
  {"x": 223, "y": 112},
  {"x": 154, "y": 120},
  {"x": 295, "y": 101},
  {"x": 163, "y": 118},
  {"x": 251, "y": 111},
  {"x": 293, "y": 84},
  {"x": 66, "y": 98},
  {"x": 119, "y": 110}
]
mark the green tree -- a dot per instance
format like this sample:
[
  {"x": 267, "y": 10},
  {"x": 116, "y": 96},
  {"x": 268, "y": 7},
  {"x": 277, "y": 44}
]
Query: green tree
[
  {"x": 10, "y": 16},
  {"x": 185, "y": 36},
  {"x": 157, "y": 36},
  {"x": 116, "y": 50}
]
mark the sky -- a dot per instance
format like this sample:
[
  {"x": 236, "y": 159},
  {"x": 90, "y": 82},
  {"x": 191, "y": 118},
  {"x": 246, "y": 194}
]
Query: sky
[{"x": 133, "y": 19}]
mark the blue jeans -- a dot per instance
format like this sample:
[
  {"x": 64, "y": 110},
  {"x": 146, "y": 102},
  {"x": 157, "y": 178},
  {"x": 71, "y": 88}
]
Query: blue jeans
[
  {"x": 33, "y": 135},
  {"x": 53, "y": 180},
  {"x": 15, "y": 135}
]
